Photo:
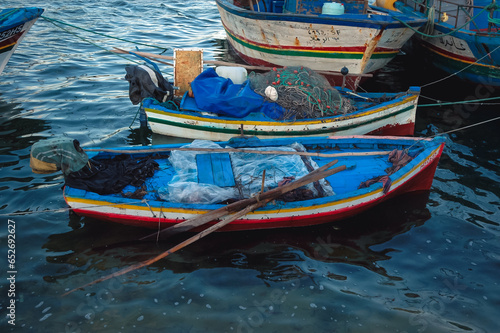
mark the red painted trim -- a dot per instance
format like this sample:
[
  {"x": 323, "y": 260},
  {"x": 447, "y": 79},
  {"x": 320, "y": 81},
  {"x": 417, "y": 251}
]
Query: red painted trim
[
  {"x": 11, "y": 40},
  {"x": 397, "y": 130},
  {"x": 435, "y": 48},
  {"x": 356, "y": 49}
]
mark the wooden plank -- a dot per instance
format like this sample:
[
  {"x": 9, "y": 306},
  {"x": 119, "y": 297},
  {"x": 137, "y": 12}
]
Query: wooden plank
[
  {"x": 215, "y": 169},
  {"x": 204, "y": 165},
  {"x": 188, "y": 65},
  {"x": 227, "y": 168},
  {"x": 222, "y": 170},
  {"x": 239, "y": 150}
]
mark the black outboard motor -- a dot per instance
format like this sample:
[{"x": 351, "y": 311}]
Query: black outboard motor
[{"x": 146, "y": 82}]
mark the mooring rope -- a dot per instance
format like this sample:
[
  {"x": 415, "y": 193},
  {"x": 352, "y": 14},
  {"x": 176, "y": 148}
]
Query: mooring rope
[
  {"x": 102, "y": 48},
  {"x": 451, "y": 31},
  {"x": 465, "y": 127},
  {"x": 98, "y": 33},
  {"x": 88, "y": 41},
  {"x": 473, "y": 101},
  {"x": 457, "y": 72},
  {"x": 62, "y": 210}
]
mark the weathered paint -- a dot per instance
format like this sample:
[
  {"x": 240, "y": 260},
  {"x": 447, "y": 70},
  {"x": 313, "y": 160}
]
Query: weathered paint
[{"x": 314, "y": 41}]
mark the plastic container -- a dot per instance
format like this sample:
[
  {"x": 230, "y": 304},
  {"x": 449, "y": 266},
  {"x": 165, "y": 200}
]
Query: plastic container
[
  {"x": 332, "y": 8},
  {"x": 237, "y": 74}
]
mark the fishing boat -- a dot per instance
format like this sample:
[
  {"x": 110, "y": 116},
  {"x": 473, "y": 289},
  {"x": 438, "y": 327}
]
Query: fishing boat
[
  {"x": 206, "y": 181},
  {"x": 322, "y": 35},
  {"x": 14, "y": 25},
  {"x": 462, "y": 39},
  {"x": 213, "y": 113}
]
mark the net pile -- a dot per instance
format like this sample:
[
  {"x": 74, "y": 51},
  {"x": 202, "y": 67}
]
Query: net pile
[{"x": 302, "y": 92}]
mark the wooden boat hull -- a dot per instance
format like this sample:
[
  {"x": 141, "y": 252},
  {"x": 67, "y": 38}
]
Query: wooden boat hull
[
  {"x": 458, "y": 53},
  {"x": 416, "y": 176},
  {"x": 14, "y": 25},
  {"x": 394, "y": 117},
  {"x": 361, "y": 43},
  {"x": 471, "y": 55}
]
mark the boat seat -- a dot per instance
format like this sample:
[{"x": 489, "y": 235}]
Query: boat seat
[{"x": 215, "y": 169}]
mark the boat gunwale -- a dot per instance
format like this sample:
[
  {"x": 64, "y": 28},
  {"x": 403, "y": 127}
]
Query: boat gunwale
[
  {"x": 410, "y": 97},
  {"x": 34, "y": 12},
  {"x": 344, "y": 19}
]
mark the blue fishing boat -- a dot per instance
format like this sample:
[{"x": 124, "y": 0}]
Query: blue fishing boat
[
  {"x": 162, "y": 186},
  {"x": 462, "y": 37},
  {"x": 14, "y": 25}
]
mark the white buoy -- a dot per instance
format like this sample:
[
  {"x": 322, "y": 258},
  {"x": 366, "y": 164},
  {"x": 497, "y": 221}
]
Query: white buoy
[{"x": 271, "y": 93}]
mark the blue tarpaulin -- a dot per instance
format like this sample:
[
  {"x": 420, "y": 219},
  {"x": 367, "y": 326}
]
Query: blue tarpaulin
[{"x": 221, "y": 96}]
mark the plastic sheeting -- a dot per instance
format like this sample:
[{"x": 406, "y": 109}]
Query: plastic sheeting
[
  {"x": 248, "y": 169},
  {"x": 184, "y": 186},
  {"x": 219, "y": 95}
]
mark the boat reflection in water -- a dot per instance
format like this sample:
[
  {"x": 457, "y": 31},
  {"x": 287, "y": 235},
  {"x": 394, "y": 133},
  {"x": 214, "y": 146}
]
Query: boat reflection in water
[{"x": 96, "y": 248}]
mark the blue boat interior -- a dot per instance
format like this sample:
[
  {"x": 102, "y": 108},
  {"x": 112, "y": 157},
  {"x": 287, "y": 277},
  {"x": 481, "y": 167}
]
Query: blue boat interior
[
  {"x": 360, "y": 102},
  {"x": 455, "y": 15},
  {"x": 12, "y": 17},
  {"x": 217, "y": 169},
  {"x": 304, "y": 7}
]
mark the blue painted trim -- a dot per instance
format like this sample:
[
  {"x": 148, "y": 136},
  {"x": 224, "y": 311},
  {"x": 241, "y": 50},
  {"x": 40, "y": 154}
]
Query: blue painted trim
[{"x": 357, "y": 20}]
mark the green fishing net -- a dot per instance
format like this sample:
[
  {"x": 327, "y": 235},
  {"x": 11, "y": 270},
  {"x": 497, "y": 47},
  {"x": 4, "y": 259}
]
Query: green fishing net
[{"x": 301, "y": 91}]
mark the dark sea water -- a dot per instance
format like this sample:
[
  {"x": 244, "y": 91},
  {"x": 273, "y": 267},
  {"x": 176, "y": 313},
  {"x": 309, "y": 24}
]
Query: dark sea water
[{"x": 425, "y": 262}]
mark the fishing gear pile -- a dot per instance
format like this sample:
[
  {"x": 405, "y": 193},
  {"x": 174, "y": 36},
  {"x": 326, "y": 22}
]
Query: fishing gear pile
[{"x": 302, "y": 92}]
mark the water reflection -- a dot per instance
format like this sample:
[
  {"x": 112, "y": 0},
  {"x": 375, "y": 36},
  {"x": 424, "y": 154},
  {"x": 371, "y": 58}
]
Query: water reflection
[{"x": 277, "y": 255}]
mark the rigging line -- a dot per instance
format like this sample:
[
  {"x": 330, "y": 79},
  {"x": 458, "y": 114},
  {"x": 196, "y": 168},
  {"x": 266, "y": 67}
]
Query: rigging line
[
  {"x": 473, "y": 101},
  {"x": 465, "y": 127},
  {"x": 451, "y": 131},
  {"x": 96, "y": 45},
  {"x": 442, "y": 34},
  {"x": 98, "y": 33},
  {"x": 88, "y": 41},
  {"x": 62, "y": 210},
  {"x": 453, "y": 74}
]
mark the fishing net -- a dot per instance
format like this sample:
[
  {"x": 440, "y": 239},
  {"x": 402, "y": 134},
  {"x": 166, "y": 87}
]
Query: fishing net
[{"x": 302, "y": 92}]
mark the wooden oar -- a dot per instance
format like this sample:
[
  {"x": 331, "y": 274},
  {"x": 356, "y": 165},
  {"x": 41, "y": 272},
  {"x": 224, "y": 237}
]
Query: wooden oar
[
  {"x": 238, "y": 150},
  {"x": 249, "y": 208},
  {"x": 236, "y": 206},
  {"x": 179, "y": 246}
]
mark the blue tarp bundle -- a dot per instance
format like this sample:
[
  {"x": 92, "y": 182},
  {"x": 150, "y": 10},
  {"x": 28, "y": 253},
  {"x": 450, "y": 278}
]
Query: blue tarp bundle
[{"x": 221, "y": 96}]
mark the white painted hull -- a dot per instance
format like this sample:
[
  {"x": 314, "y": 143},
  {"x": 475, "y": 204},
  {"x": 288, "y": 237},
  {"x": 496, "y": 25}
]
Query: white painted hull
[
  {"x": 363, "y": 45},
  {"x": 392, "y": 119}
]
